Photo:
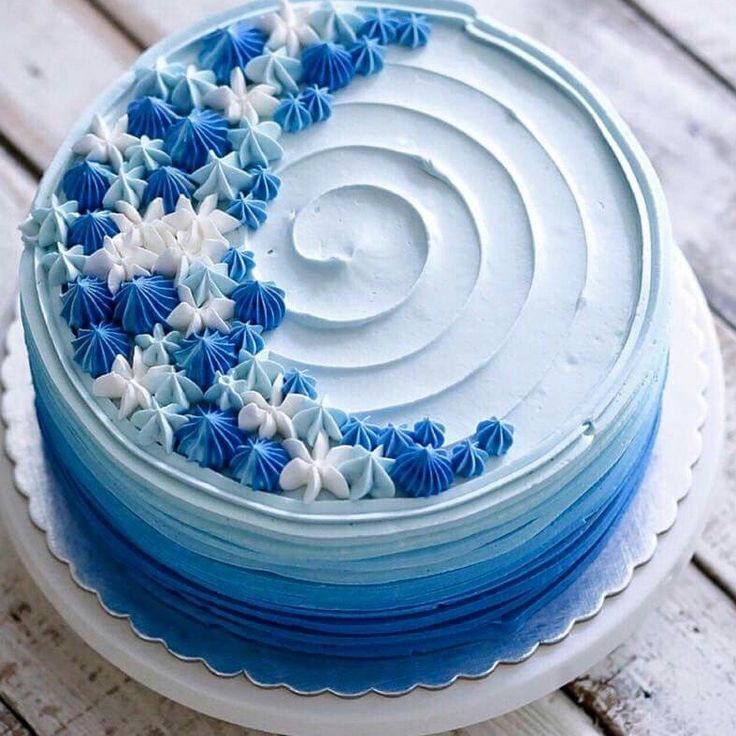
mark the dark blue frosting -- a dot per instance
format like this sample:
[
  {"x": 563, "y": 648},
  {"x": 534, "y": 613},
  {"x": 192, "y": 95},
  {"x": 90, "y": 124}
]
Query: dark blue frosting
[
  {"x": 318, "y": 102},
  {"x": 86, "y": 301},
  {"x": 396, "y": 440},
  {"x": 201, "y": 356},
  {"x": 87, "y": 182},
  {"x": 258, "y": 463},
  {"x": 380, "y": 25},
  {"x": 292, "y": 114},
  {"x": 89, "y": 230},
  {"x": 413, "y": 30},
  {"x": 260, "y": 302},
  {"x": 95, "y": 347},
  {"x": 169, "y": 183},
  {"x": 150, "y": 116},
  {"x": 240, "y": 263},
  {"x": 190, "y": 139},
  {"x": 327, "y": 64},
  {"x": 209, "y": 437},
  {"x": 227, "y": 48},
  {"x": 367, "y": 55},
  {"x": 143, "y": 302},
  {"x": 248, "y": 211},
  {"x": 427, "y": 432},
  {"x": 246, "y": 336},
  {"x": 357, "y": 431},
  {"x": 299, "y": 382},
  {"x": 468, "y": 460},
  {"x": 422, "y": 471},
  {"x": 494, "y": 436},
  {"x": 265, "y": 185}
]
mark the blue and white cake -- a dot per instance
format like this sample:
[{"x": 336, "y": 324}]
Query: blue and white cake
[{"x": 349, "y": 329}]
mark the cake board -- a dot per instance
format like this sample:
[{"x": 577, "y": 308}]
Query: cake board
[{"x": 420, "y": 711}]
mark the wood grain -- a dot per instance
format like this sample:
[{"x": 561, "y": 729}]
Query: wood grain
[
  {"x": 677, "y": 674},
  {"x": 707, "y": 27},
  {"x": 42, "y": 97}
]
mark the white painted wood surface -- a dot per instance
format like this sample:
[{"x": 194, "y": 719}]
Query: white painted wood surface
[{"x": 676, "y": 676}]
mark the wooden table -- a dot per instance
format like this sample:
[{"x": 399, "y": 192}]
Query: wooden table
[{"x": 670, "y": 68}]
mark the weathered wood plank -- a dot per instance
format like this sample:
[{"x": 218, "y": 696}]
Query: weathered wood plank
[
  {"x": 10, "y": 725},
  {"x": 707, "y": 27},
  {"x": 677, "y": 674},
  {"x": 56, "y": 58},
  {"x": 717, "y": 549}
]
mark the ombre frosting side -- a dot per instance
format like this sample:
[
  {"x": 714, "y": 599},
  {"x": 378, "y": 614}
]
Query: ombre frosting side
[{"x": 471, "y": 251}]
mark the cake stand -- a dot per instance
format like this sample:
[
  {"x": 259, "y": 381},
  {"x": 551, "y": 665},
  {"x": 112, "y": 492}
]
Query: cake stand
[{"x": 693, "y": 409}]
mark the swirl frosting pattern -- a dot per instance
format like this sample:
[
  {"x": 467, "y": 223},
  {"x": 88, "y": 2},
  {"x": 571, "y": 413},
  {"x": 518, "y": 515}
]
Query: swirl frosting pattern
[{"x": 475, "y": 232}]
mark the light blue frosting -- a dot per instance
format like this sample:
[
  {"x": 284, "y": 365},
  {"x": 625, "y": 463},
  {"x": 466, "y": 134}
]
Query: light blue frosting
[
  {"x": 277, "y": 69},
  {"x": 157, "y": 79},
  {"x": 226, "y": 391},
  {"x": 209, "y": 281},
  {"x": 147, "y": 153},
  {"x": 64, "y": 264},
  {"x": 159, "y": 424},
  {"x": 316, "y": 419},
  {"x": 335, "y": 22},
  {"x": 170, "y": 386},
  {"x": 222, "y": 176},
  {"x": 128, "y": 186},
  {"x": 367, "y": 474},
  {"x": 47, "y": 226},
  {"x": 258, "y": 371},
  {"x": 191, "y": 88},
  {"x": 158, "y": 347},
  {"x": 256, "y": 145}
]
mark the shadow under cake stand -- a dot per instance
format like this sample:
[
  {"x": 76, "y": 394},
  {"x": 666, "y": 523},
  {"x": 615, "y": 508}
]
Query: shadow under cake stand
[{"x": 668, "y": 516}]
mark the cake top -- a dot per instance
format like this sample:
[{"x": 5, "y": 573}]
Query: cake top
[{"x": 319, "y": 250}]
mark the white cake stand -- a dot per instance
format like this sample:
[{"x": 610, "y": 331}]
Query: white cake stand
[{"x": 421, "y": 711}]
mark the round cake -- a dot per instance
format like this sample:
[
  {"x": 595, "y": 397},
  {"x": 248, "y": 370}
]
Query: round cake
[{"x": 349, "y": 328}]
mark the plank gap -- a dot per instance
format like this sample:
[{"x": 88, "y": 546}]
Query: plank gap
[
  {"x": 20, "y": 156},
  {"x": 122, "y": 28},
  {"x": 11, "y": 708},
  {"x": 588, "y": 705},
  {"x": 680, "y": 43},
  {"x": 714, "y": 576}
]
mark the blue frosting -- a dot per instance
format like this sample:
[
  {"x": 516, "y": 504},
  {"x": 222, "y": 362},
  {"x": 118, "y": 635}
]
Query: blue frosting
[
  {"x": 356, "y": 431},
  {"x": 246, "y": 336},
  {"x": 292, "y": 114},
  {"x": 209, "y": 437},
  {"x": 427, "y": 432},
  {"x": 422, "y": 471},
  {"x": 367, "y": 55},
  {"x": 86, "y": 301},
  {"x": 87, "y": 182},
  {"x": 468, "y": 460},
  {"x": 227, "y": 48},
  {"x": 260, "y": 302},
  {"x": 95, "y": 347},
  {"x": 90, "y": 229},
  {"x": 265, "y": 185},
  {"x": 413, "y": 30},
  {"x": 189, "y": 140},
  {"x": 248, "y": 211},
  {"x": 145, "y": 301},
  {"x": 380, "y": 25},
  {"x": 169, "y": 183},
  {"x": 396, "y": 440},
  {"x": 201, "y": 356},
  {"x": 328, "y": 65},
  {"x": 317, "y": 101},
  {"x": 494, "y": 436},
  {"x": 150, "y": 116},
  {"x": 299, "y": 382},
  {"x": 240, "y": 263},
  {"x": 258, "y": 463}
]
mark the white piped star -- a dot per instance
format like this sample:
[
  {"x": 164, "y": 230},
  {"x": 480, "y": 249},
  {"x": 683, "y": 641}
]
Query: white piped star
[
  {"x": 270, "y": 417},
  {"x": 119, "y": 261},
  {"x": 242, "y": 101},
  {"x": 190, "y": 317},
  {"x": 289, "y": 28},
  {"x": 125, "y": 382},
  {"x": 104, "y": 143}
]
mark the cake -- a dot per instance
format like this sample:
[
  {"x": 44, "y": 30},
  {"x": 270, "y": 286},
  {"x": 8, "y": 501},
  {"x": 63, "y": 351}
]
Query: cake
[{"x": 348, "y": 328}]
